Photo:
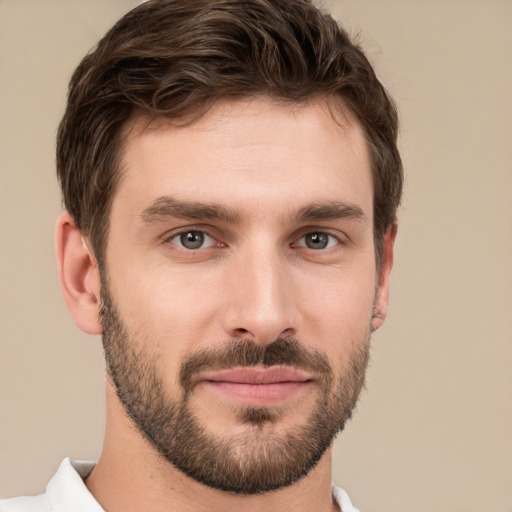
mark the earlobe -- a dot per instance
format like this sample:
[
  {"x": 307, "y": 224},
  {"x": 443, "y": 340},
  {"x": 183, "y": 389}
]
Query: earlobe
[
  {"x": 382, "y": 293},
  {"x": 78, "y": 275}
]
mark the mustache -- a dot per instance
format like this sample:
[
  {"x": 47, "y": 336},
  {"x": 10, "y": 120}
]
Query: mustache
[{"x": 281, "y": 352}]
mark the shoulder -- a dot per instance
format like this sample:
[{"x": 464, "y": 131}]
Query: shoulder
[{"x": 26, "y": 504}]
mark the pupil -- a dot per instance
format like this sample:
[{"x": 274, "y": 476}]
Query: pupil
[
  {"x": 317, "y": 240},
  {"x": 192, "y": 239}
]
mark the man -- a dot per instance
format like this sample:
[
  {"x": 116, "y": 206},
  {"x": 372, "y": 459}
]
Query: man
[{"x": 231, "y": 179}]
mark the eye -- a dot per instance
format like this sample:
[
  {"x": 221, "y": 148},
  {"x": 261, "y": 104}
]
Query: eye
[
  {"x": 318, "y": 240},
  {"x": 192, "y": 240}
]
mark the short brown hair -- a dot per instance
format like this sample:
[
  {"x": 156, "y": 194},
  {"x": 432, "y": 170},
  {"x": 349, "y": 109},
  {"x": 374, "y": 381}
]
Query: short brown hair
[{"x": 169, "y": 58}]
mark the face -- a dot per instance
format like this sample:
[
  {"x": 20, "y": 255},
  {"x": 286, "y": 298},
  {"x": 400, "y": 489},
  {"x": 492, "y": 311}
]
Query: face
[{"x": 240, "y": 288}]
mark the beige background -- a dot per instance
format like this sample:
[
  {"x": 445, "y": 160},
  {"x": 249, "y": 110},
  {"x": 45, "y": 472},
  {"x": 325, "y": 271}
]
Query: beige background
[{"x": 434, "y": 430}]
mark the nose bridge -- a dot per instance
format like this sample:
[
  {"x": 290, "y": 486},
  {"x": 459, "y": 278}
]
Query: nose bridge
[{"x": 261, "y": 303}]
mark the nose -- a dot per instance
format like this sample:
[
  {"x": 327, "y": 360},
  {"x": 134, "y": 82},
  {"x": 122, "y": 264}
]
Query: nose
[{"x": 261, "y": 303}]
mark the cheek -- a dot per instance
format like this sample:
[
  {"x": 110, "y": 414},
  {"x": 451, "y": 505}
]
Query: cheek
[
  {"x": 168, "y": 307},
  {"x": 340, "y": 312}
]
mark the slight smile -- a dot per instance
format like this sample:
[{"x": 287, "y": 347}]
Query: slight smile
[{"x": 258, "y": 386}]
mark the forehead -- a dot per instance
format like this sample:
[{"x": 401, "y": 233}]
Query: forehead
[{"x": 249, "y": 153}]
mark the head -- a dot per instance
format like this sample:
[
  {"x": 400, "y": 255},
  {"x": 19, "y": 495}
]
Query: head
[
  {"x": 174, "y": 59},
  {"x": 232, "y": 169}
]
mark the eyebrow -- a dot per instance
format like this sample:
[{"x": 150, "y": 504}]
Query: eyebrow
[
  {"x": 331, "y": 211},
  {"x": 165, "y": 207}
]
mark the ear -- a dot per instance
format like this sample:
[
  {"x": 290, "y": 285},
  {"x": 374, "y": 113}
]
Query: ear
[
  {"x": 78, "y": 274},
  {"x": 382, "y": 294}
]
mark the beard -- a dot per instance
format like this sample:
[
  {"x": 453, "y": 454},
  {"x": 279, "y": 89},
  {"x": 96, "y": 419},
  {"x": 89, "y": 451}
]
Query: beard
[{"x": 260, "y": 458}]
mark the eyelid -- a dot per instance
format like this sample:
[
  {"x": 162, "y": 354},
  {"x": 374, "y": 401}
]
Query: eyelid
[
  {"x": 208, "y": 241},
  {"x": 168, "y": 237},
  {"x": 341, "y": 237},
  {"x": 329, "y": 243}
]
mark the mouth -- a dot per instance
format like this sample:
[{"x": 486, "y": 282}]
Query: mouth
[{"x": 257, "y": 386}]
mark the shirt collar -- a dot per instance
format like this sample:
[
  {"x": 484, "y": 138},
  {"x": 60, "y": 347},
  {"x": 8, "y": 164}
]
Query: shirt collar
[{"x": 67, "y": 490}]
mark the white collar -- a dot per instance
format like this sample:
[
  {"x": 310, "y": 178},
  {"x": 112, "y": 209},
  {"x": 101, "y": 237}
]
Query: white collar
[{"x": 67, "y": 491}]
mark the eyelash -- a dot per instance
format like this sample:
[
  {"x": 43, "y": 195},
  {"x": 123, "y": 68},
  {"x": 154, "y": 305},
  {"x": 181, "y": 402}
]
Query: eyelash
[
  {"x": 183, "y": 233},
  {"x": 331, "y": 240}
]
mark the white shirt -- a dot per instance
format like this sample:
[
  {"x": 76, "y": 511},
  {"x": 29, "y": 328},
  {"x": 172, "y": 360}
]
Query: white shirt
[{"x": 67, "y": 492}]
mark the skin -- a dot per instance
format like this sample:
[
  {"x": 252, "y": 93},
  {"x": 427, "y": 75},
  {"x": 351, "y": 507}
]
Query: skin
[{"x": 255, "y": 278}]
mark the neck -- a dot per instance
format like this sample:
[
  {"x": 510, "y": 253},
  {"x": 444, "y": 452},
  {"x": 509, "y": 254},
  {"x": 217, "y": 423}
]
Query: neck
[{"x": 131, "y": 476}]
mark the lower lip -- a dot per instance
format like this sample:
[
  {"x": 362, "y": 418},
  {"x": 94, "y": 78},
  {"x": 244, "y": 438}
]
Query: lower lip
[{"x": 259, "y": 395}]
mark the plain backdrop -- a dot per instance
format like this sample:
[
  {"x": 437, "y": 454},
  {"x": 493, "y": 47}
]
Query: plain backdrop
[{"x": 434, "y": 429}]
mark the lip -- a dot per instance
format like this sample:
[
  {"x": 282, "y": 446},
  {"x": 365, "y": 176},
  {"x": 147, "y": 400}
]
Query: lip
[{"x": 257, "y": 386}]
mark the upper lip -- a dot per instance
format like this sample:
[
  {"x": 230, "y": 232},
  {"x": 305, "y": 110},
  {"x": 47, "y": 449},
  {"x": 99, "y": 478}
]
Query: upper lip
[{"x": 256, "y": 375}]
